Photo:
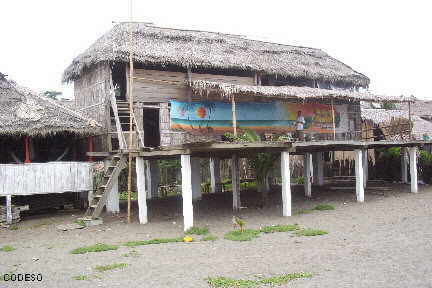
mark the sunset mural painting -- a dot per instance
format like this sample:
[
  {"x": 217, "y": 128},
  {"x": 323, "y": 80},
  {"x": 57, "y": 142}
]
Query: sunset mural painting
[{"x": 278, "y": 117}]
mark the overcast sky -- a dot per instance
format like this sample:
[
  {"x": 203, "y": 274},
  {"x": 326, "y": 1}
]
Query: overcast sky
[{"x": 389, "y": 41}]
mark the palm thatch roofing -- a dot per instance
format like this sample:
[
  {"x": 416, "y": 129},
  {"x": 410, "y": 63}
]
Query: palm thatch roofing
[
  {"x": 203, "y": 88},
  {"x": 199, "y": 49},
  {"x": 23, "y": 112},
  {"x": 384, "y": 117}
]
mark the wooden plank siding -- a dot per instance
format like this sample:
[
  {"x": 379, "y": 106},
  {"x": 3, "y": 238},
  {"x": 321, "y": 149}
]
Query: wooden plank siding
[{"x": 44, "y": 178}]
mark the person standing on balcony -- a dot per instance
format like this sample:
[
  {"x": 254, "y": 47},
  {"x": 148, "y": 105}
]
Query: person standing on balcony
[{"x": 300, "y": 126}]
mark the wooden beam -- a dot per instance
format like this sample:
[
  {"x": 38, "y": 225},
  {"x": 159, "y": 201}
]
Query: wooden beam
[
  {"x": 235, "y": 180},
  {"x": 413, "y": 169},
  {"x": 365, "y": 167},
  {"x": 196, "y": 178},
  {"x": 359, "y": 172},
  {"x": 141, "y": 189},
  {"x": 187, "y": 191},
  {"x": 234, "y": 115},
  {"x": 215, "y": 174},
  {"x": 308, "y": 174},
  {"x": 286, "y": 184},
  {"x": 404, "y": 165}
]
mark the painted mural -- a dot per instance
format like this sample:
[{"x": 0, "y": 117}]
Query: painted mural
[{"x": 277, "y": 117}]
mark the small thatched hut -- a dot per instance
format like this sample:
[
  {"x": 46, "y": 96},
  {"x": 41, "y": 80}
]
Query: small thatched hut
[{"x": 29, "y": 119}]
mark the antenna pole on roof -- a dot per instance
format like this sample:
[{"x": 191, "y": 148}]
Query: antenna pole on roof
[{"x": 131, "y": 67}]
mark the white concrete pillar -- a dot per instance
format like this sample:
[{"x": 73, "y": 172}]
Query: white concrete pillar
[
  {"x": 215, "y": 175},
  {"x": 235, "y": 181},
  {"x": 152, "y": 178},
  {"x": 404, "y": 165},
  {"x": 196, "y": 178},
  {"x": 359, "y": 172},
  {"x": 365, "y": 167},
  {"x": 318, "y": 168},
  {"x": 187, "y": 191},
  {"x": 413, "y": 169},
  {"x": 308, "y": 174},
  {"x": 141, "y": 189},
  {"x": 286, "y": 184},
  {"x": 9, "y": 209},
  {"x": 113, "y": 200}
]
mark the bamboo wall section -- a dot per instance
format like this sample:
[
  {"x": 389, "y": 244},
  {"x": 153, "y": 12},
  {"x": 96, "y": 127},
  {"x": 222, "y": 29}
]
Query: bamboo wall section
[{"x": 44, "y": 178}]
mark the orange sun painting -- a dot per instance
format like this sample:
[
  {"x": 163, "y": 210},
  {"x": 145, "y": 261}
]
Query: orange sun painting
[{"x": 201, "y": 112}]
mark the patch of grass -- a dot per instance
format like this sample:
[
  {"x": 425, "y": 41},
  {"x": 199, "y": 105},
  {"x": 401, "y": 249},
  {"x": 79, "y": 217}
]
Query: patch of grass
[
  {"x": 132, "y": 253},
  {"x": 303, "y": 211},
  {"x": 280, "y": 228},
  {"x": 197, "y": 231},
  {"x": 80, "y": 222},
  {"x": 7, "y": 248},
  {"x": 322, "y": 207},
  {"x": 80, "y": 277},
  {"x": 100, "y": 247},
  {"x": 124, "y": 195},
  {"x": 103, "y": 268},
  {"x": 223, "y": 282},
  {"x": 13, "y": 227},
  {"x": 246, "y": 235},
  {"x": 153, "y": 241},
  {"x": 209, "y": 238},
  {"x": 310, "y": 232}
]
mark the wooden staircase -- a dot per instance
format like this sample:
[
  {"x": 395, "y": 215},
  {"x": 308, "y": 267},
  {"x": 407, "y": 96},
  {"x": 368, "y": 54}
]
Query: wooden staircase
[{"x": 117, "y": 163}]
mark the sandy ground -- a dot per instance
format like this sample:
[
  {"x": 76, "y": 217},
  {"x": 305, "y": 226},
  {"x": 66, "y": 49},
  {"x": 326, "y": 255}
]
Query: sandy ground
[{"x": 384, "y": 242}]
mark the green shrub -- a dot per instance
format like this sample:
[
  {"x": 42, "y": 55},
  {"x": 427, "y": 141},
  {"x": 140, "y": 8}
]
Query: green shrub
[
  {"x": 153, "y": 241},
  {"x": 7, "y": 248},
  {"x": 100, "y": 247},
  {"x": 246, "y": 235},
  {"x": 197, "y": 231},
  {"x": 103, "y": 268},
  {"x": 224, "y": 282},
  {"x": 279, "y": 228},
  {"x": 321, "y": 207},
  {"x": 310, "y": 232},
  {"x": 425, "y": 163}
]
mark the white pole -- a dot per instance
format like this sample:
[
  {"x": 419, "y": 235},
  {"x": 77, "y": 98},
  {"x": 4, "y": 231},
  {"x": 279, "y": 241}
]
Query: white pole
[
  {"x": 308, "y": 174},
  {"x": 359, "y": 175},
  {"x": 413, "y": 169},
  {"x": 235, "y": 180},
  {"x": 187, "y": 191},
  {"x": 286, "y": 184},
  {"x": 365, "y": 167},
  {"x": 9, "y": 209},
  {"x": 404, "y": 165},
  {"x": 214, "y": 174},
  {"x": 196, "y": 178},
  {"x": 141, "y": 187}
]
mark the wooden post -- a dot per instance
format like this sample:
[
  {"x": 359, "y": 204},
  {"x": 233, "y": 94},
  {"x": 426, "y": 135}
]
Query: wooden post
[
  {"x": 409, "y": 119},
  {"x": 234, "y": 115},
  {"x": 365, "y": 167},
  {"x": 359, "y": 175},
  {"x": 187, "y": 191},
  {"x": 286, "y": 184},
  {"x": 413, "y": 169},
  {"x": 333, "y": 120},
  {"x": 215, "y": 174},
  {"x": 90, "y": 148},
  {"x": 152, "y": 178},
  {"x": 308, "y": 174},
  {"x": 113, "y": 200},
  {"x": 27, "y": 149},
  {"x": 9, "y": 209},
  {"x": 196, "y": 178},
  {"x": 235, "y": 180},
  {"x": 318, "y": 168},
  {"x": 141, "y": 189},
  {"x": 404, "y": 165}
]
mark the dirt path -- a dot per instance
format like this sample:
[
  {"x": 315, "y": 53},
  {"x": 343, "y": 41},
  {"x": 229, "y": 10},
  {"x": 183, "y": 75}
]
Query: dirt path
[{"x": 385, "y": 242}]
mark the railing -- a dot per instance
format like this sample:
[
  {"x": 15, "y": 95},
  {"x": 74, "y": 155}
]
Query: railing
[{"x": 45, "y": 178}]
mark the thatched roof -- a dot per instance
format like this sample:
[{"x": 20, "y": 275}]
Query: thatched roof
[
  {"x": 384, "y": 117},
  {"x": 203, "y": 88},
  {"x": 23, "y": 112},
  {"x": 199, "y": 49}
]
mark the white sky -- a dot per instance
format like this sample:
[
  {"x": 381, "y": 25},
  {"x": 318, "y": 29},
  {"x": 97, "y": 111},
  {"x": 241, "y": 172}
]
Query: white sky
[{"x": 389, "y": 41}]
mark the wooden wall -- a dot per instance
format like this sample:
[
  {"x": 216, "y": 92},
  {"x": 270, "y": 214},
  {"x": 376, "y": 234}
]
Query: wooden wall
[
  {"x": 44, "y": 178},
  {"x": 91, "y": 92}
]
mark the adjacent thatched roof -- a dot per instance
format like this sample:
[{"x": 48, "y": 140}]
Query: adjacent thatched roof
[
  {"x": 199, "y": 49},
  {"x": 202, "y": 87},
  {"x": 383, "y": 117},
  {"x": 23, "y": 112}
]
